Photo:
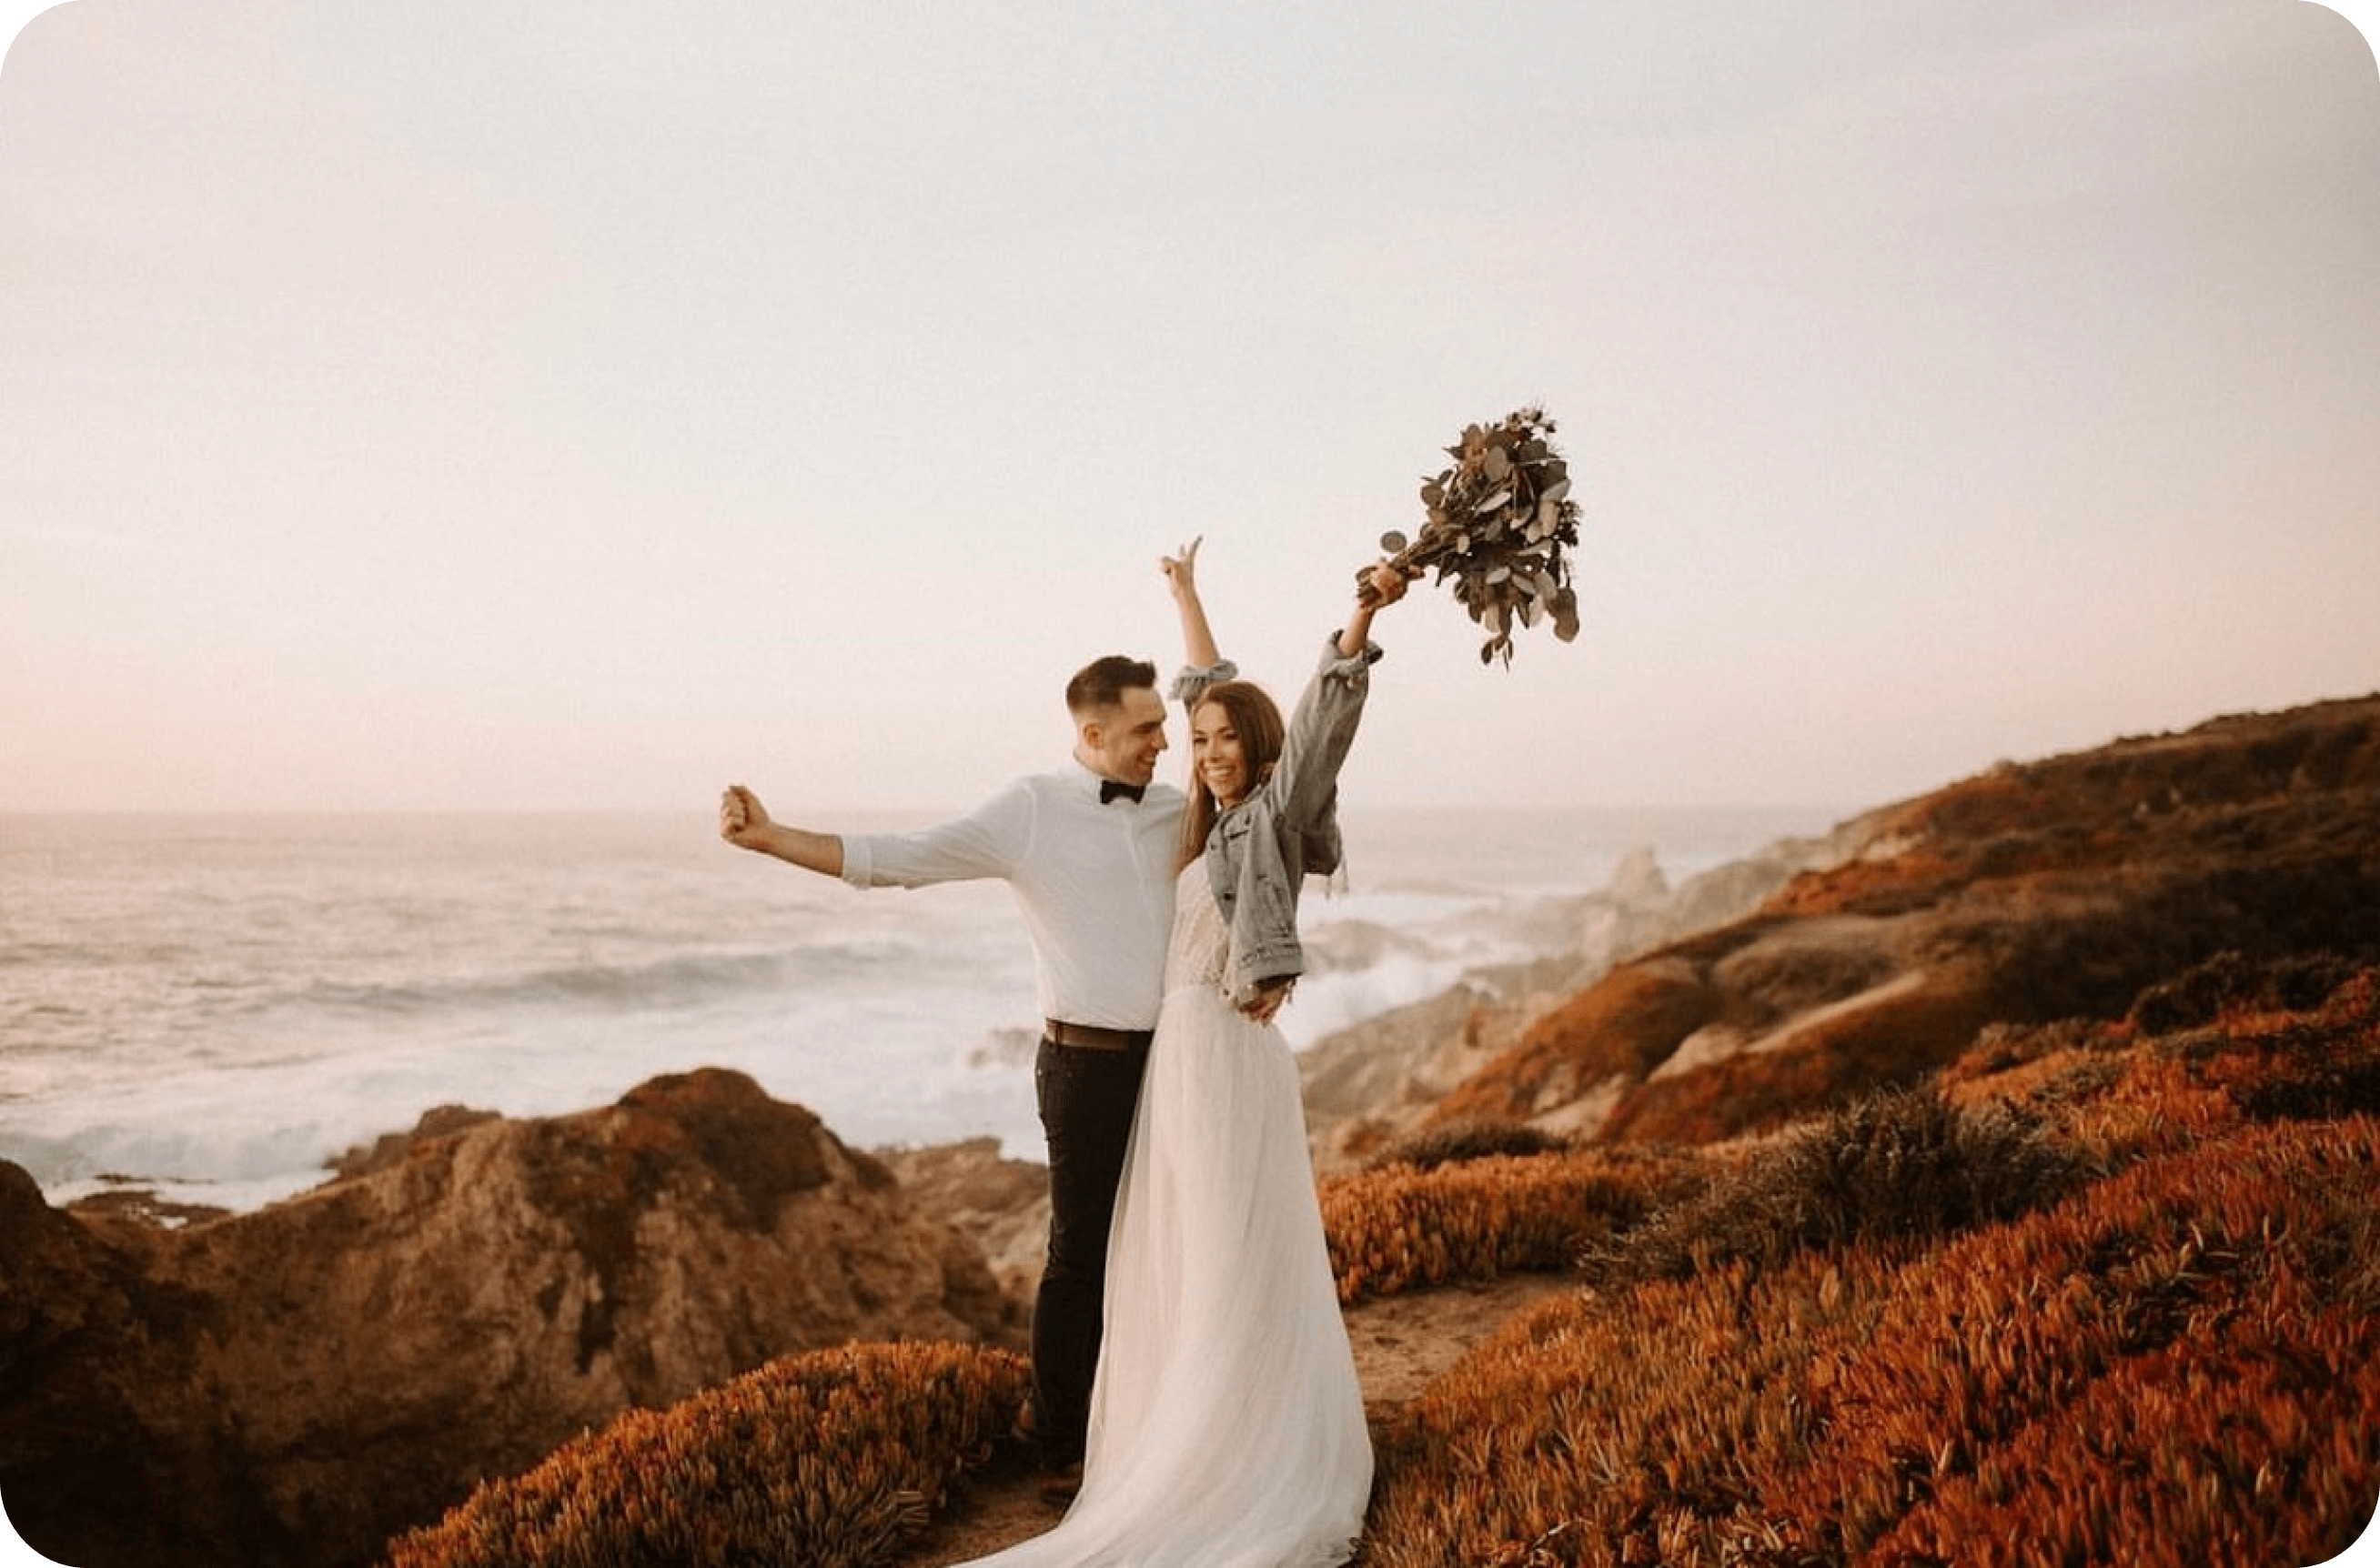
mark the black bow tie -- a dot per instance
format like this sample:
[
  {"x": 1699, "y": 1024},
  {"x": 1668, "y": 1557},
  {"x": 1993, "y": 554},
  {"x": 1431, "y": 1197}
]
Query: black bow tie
[{"x": 1110, "y": 789}]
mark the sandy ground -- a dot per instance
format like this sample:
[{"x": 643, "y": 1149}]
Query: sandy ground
[{"x": 1401, "y": 1344}]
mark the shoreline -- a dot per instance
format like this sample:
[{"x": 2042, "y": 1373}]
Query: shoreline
[{"x": 1358, "y": 1077}]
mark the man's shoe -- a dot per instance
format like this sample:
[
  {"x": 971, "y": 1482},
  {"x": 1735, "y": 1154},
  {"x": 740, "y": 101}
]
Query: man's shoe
[{"x": 1060, "y": 1489}]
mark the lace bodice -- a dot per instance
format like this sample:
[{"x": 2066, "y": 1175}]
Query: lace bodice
[{"x": 1195, "y": 956}]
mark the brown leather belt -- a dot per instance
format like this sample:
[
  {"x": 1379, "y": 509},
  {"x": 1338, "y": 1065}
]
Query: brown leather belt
[{"x": 1095, "y": 1038}]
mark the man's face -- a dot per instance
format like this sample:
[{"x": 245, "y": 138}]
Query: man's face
[{"x": 1122, "y": 743}]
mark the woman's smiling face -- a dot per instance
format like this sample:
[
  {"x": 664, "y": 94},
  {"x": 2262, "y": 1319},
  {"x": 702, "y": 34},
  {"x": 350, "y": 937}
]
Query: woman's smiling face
[{"x": 1217, "y": 755}]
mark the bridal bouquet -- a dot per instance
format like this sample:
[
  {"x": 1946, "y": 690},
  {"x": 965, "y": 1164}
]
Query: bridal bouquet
[{"x": 1499, "y": 522}]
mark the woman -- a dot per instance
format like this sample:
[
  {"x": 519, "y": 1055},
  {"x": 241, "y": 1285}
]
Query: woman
[{"x": 1227, "y": 1427}]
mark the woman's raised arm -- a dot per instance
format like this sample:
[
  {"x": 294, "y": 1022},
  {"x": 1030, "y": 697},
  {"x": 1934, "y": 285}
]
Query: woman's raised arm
[
  {"x": 1198, "y": 650},
  {"x": 1388, "y": 585}
]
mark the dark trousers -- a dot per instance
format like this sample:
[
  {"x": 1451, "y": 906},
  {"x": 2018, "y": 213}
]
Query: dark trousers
[{"x": 1088, "y": 1096}]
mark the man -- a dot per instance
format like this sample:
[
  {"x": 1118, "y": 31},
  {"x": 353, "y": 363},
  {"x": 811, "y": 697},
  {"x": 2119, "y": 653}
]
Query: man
[{"x": 1089, "y": 851}]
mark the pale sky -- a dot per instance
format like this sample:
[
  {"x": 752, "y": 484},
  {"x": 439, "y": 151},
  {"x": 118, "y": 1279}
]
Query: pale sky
[{"x": 581, "y": 406}]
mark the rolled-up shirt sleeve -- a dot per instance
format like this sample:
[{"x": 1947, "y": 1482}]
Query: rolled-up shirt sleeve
[
  {"x": 1190, "y": 683},
  {"x": 988, "y": 842}
]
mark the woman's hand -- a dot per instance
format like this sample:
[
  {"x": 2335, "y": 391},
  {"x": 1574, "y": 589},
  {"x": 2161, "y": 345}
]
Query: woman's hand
[
  {"x": 1381, "y": 584},
  {"x": 1270, "y": 995},
  {"x": 1377, "y": 586}
]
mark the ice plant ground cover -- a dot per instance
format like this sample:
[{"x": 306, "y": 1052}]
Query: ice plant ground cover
[
  {"x": 829, "y": 1458},
  {"x": 2164, "y": 1349}
]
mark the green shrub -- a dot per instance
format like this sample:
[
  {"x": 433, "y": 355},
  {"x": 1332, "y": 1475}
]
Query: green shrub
[
  {"x": 2229, "y": 981},
  {"x": 1464, "y": 1141},
  {"x": 1900, "y": 1164}
]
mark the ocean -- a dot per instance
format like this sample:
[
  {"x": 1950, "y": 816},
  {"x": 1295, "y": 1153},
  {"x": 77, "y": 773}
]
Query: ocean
[{"x": 211, "y": 1006}]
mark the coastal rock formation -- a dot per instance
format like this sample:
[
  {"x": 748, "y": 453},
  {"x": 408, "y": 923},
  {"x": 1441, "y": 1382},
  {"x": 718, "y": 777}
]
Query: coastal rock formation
[
  {"x": 293, "y": 1385},
  {"x": 1369, "y": 1085},
  {"x": 1002, "y": 1205},
  {"x": 2027, "y": 895}
]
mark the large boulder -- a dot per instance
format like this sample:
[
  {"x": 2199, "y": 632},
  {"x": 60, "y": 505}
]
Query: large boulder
[{"x": 294, "y": 1385}]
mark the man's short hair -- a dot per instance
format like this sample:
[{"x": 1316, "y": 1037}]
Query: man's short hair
[{"x": 1102, "y": 682}]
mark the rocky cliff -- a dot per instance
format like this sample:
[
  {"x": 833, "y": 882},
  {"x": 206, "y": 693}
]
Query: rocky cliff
[
  {"x": 291, "y": 1386},
  {"x": 2059, "y": 889},
  {"x": 1385, "y": 1078}
]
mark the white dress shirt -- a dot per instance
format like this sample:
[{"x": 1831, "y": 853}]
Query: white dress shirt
[{"x": 1095, "y": 883}]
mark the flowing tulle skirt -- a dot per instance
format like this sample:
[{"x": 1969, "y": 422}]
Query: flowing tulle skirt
[{"x": 1227, "y": 1427}]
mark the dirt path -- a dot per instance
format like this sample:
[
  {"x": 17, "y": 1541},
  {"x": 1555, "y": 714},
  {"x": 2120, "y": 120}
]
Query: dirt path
[{"x": 1401, "y": 1344}]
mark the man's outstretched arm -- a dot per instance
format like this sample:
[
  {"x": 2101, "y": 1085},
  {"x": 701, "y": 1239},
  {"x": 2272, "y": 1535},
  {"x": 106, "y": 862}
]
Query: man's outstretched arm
[{"x": 745, "y": 822}]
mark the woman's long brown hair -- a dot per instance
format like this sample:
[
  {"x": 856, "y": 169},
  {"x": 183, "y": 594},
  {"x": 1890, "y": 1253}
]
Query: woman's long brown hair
[{"x": 1258, "y": 723}]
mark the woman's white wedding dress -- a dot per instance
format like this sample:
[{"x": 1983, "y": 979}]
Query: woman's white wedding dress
[{"x": 1227, "y": 1427}]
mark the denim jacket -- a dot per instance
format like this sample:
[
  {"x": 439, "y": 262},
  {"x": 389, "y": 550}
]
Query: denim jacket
[{"x": 1261, "y": 849}]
